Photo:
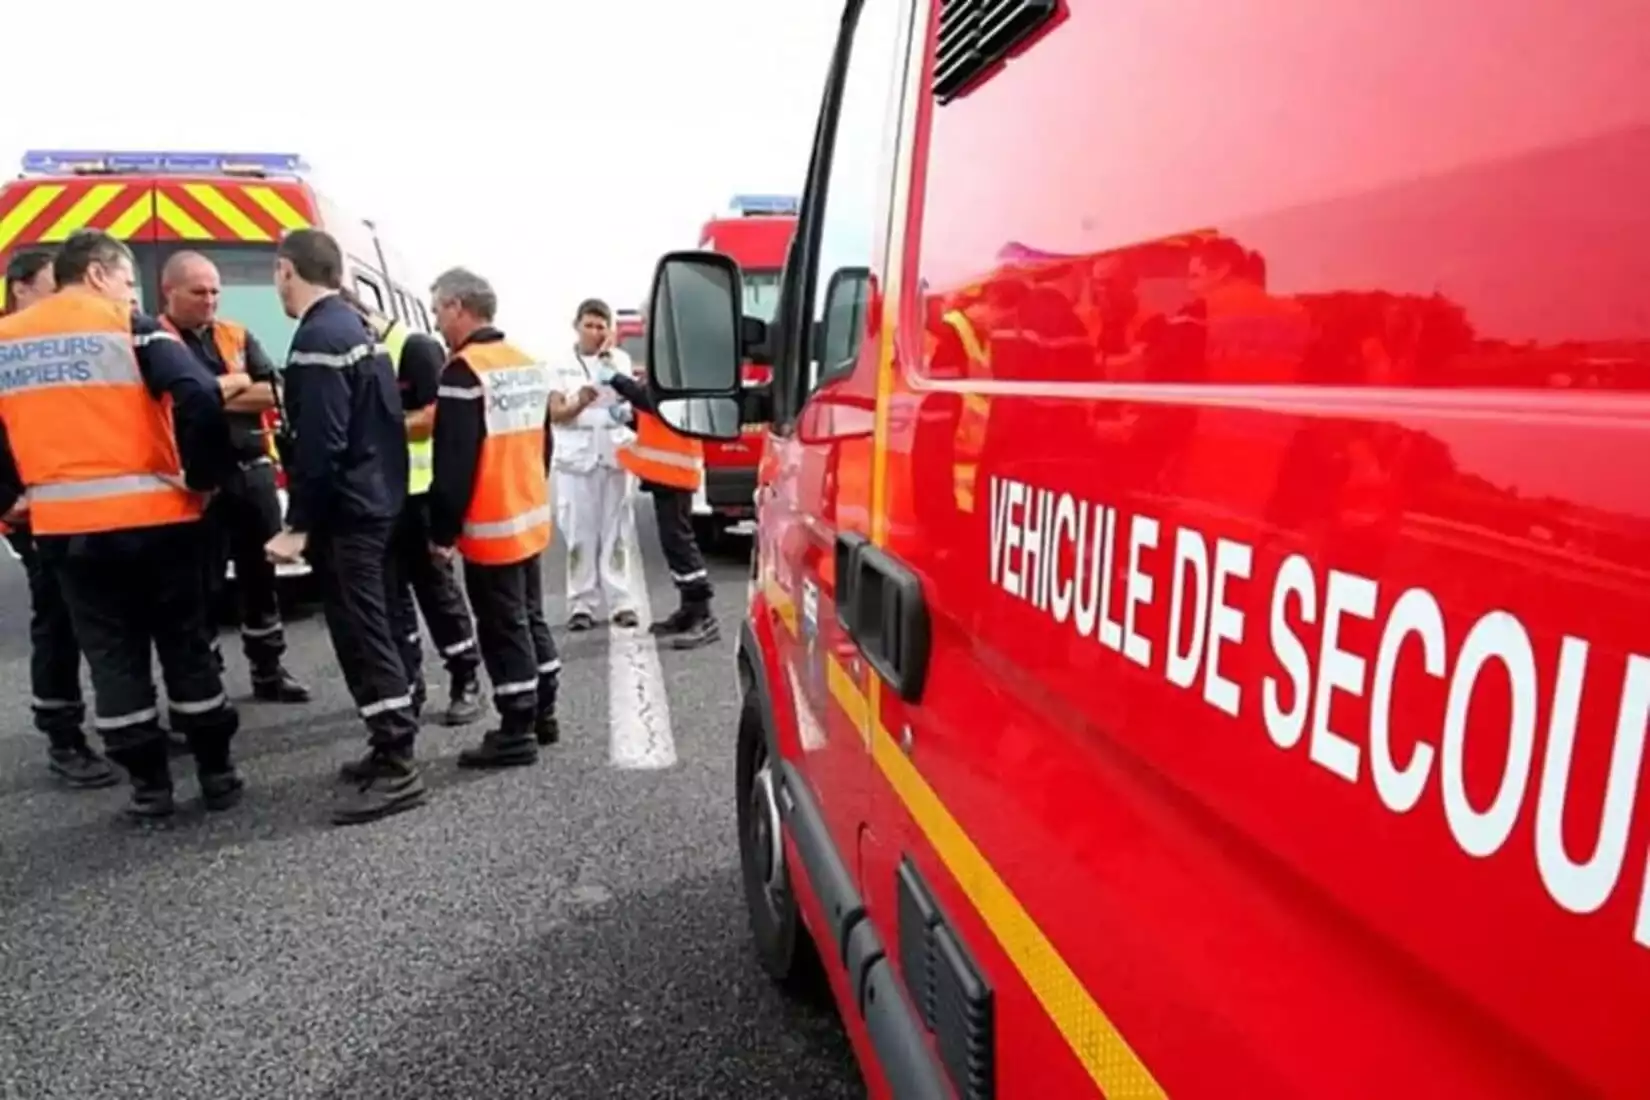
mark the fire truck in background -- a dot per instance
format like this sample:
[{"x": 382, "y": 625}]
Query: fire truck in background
[
  {"x": 756, "y": 232},
  {"x": 230, "y": 207}
]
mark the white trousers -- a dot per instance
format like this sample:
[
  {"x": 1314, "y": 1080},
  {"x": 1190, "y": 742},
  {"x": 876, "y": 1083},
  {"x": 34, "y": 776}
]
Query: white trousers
[{"x": 593, "y": 512}]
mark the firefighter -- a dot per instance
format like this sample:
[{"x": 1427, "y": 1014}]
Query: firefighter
[
  {"x": 418, "y": 363},
  {"x": 592, "y": 488},
  {"x": 344, "y": 447},
  {"x": 490, "y": 505},
  {"x": 115, "y": 434},
  {"x": 54, "y": 654},
  {"x": 246, "y": 511},
  {"x": 670, "y": 467}
]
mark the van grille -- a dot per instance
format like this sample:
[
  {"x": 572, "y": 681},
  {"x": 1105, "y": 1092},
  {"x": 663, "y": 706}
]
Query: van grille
[{"x": 977, "y": 34}]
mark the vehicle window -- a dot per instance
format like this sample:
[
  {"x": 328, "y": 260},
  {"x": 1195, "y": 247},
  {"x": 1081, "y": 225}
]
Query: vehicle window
[
  {"x": 635, "y": 347},
  {"x": 856, "y": 186},
  {"x": 423, "y": 315},
  {"x": 247, "y": 277},
  {"x": 402, "y": 308},
  {"x": 370, "y": 294},
  {"x": 761, "y": 293}
]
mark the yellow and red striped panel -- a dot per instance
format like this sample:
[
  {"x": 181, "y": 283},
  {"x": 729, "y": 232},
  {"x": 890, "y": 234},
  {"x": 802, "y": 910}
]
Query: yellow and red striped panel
[
  {"x": 213, "y": 210},
  {"x": 47, "y": 211}
]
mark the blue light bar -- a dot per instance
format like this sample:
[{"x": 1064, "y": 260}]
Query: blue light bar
[
  {"x": 77, "y": 162},
  {"x": 750, "y": 206}
]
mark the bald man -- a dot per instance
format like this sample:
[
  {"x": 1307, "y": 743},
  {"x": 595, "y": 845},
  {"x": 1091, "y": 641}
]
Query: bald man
[{"x": 246, "y": 512}]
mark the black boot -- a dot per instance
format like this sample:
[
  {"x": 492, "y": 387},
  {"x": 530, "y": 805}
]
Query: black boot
[
  {"x": 546, "y": 728},
  {"x": 151, "y": 777},
  {"x": 463, "y": 699},
  {"x": 513, "y": 745},
  {"x": 220, "y": 783},
  {"x": 74, "y": 763},
  {"x": 676, "y": 622},
  {"x": 387, "y": 782},
  {"x": 277, "y": 685},
  {"x": 700, "y": 631}
]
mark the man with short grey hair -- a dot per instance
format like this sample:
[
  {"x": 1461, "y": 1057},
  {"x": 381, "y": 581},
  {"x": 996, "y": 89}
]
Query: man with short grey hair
[{"x": 490, "y": 505}]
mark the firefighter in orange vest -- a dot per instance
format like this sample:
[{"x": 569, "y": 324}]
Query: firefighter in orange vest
[
  {"x": 115, "y": 435},
  {"x": 670, "y": 467},
  {"x": 54, "y": 654},
  {"x": 247, "y": 510},
  {"x": 490, "y": 505}
]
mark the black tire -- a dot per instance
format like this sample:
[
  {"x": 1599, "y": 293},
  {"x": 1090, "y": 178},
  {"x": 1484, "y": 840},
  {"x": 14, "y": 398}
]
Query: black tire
[{"x": 783, "y": 945}]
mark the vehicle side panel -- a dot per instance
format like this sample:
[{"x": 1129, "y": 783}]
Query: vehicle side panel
[{"x": 1427, "y": 397}]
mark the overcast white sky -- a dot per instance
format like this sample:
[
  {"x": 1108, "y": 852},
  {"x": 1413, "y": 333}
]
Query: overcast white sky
[{"x": 556, "y": 149}]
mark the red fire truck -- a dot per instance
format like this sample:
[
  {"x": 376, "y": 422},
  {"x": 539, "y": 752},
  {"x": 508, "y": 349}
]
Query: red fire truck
[
  {"x": 231, "y": 207},
  {"x": 755, "y": 232},
  {"x": 1267, "y": 718}
]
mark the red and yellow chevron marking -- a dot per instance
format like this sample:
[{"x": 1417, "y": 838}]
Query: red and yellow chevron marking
[
  {"x": 47, "y": 211},
  {"x": 214, "y": 210}
]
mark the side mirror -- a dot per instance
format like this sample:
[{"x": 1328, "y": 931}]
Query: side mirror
[
  {"x": 695, "y": 330},
  {"x": 702, "y": 417},
  {"x": 836, "y": 336}
]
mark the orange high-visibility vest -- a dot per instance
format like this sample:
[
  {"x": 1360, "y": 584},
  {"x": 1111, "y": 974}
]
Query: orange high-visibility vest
[
  {"x": 509, "y": 516},
  {"x": 230, "y": 340},
  {"x": 95, "y": 450},
  {"x": 661, "y": 456}
]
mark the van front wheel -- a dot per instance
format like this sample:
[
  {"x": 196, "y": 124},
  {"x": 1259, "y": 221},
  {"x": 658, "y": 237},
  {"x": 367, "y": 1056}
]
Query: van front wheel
[{"x": 783, "y": 945}]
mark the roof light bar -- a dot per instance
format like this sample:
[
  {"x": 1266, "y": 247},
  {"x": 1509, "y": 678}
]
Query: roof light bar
[
  {"x": 757, "y": 206},
  {"x": 83, "y": 162}
]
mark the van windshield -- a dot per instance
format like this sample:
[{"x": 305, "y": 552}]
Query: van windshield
[
  {"x": 761, "y": 293},
  {"x": 248, "y": 275}
]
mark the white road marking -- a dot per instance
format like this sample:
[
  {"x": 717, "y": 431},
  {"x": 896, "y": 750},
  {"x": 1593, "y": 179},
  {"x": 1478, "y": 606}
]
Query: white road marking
[{"x": 637, "y": 707}]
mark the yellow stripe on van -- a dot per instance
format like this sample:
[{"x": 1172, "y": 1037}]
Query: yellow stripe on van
[
  {"x": 275, "y": 206},
  {"x": 27, "y": 209},
  {"x": 179, "y": 220},
  {"x": 233, "y": 218},
  {"x": 85, "y": 208}
]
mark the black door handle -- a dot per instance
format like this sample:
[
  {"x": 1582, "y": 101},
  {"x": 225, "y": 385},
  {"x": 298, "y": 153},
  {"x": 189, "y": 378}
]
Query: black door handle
[{"x": 880, "y": 604}]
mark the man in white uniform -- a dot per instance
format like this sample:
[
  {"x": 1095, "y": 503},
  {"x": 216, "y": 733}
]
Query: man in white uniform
[{"x": 592, "y": 489}]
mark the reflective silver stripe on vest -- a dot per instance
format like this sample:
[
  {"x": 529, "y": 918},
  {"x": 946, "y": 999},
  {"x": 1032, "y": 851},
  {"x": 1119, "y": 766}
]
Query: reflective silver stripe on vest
[
  {"x": 68, "y": 360},
  {"x": 666, "y": 458},
  {"x": 504, "y": 528},
  {"x": 517, "y": 398},
  {"x": 96, "y": 487}
]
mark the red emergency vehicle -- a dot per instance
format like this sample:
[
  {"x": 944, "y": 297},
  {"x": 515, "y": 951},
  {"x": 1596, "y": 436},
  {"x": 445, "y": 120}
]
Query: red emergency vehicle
[
  {"x": 756, "y": 232},
  {"x": 231, "y": 207},
  {"x": 1268, "y": 717}
]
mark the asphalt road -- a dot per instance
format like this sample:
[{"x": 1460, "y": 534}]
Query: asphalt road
[{"x": 572, "y": 930}]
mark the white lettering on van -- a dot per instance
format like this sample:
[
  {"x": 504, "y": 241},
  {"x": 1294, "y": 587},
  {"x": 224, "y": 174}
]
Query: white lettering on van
[
  {"x": 1447, "y": 696},
  {"x": 1233, "y": 561},
  {"x": 1496, "y": 637},
  {"x": 1295, "y": 579}
]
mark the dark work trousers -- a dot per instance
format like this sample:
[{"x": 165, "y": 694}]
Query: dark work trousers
[
  {"x": 420, "y": 575},
  {"x": 54, "y": 653},
  {"x": 134, "y": 591},
  {"x": 243, "y": 516},
  {"x": 516, "y": 645},
  {"x": 673, "y": 510},
  {"x": 358, "y": 579}
]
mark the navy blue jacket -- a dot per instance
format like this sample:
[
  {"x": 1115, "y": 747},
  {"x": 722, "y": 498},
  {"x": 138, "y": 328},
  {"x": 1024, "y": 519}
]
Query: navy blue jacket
[{"x": 347, "y": 464}]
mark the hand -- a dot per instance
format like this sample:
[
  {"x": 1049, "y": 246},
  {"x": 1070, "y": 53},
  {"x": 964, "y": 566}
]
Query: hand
[
  {"x": 443, "y": 554},
  {"x": 234, "y": 384},
  {"x": 286, "y": 548},
  {"x": 19, "y": 512},
  {"x": 587, "y": 396}
]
